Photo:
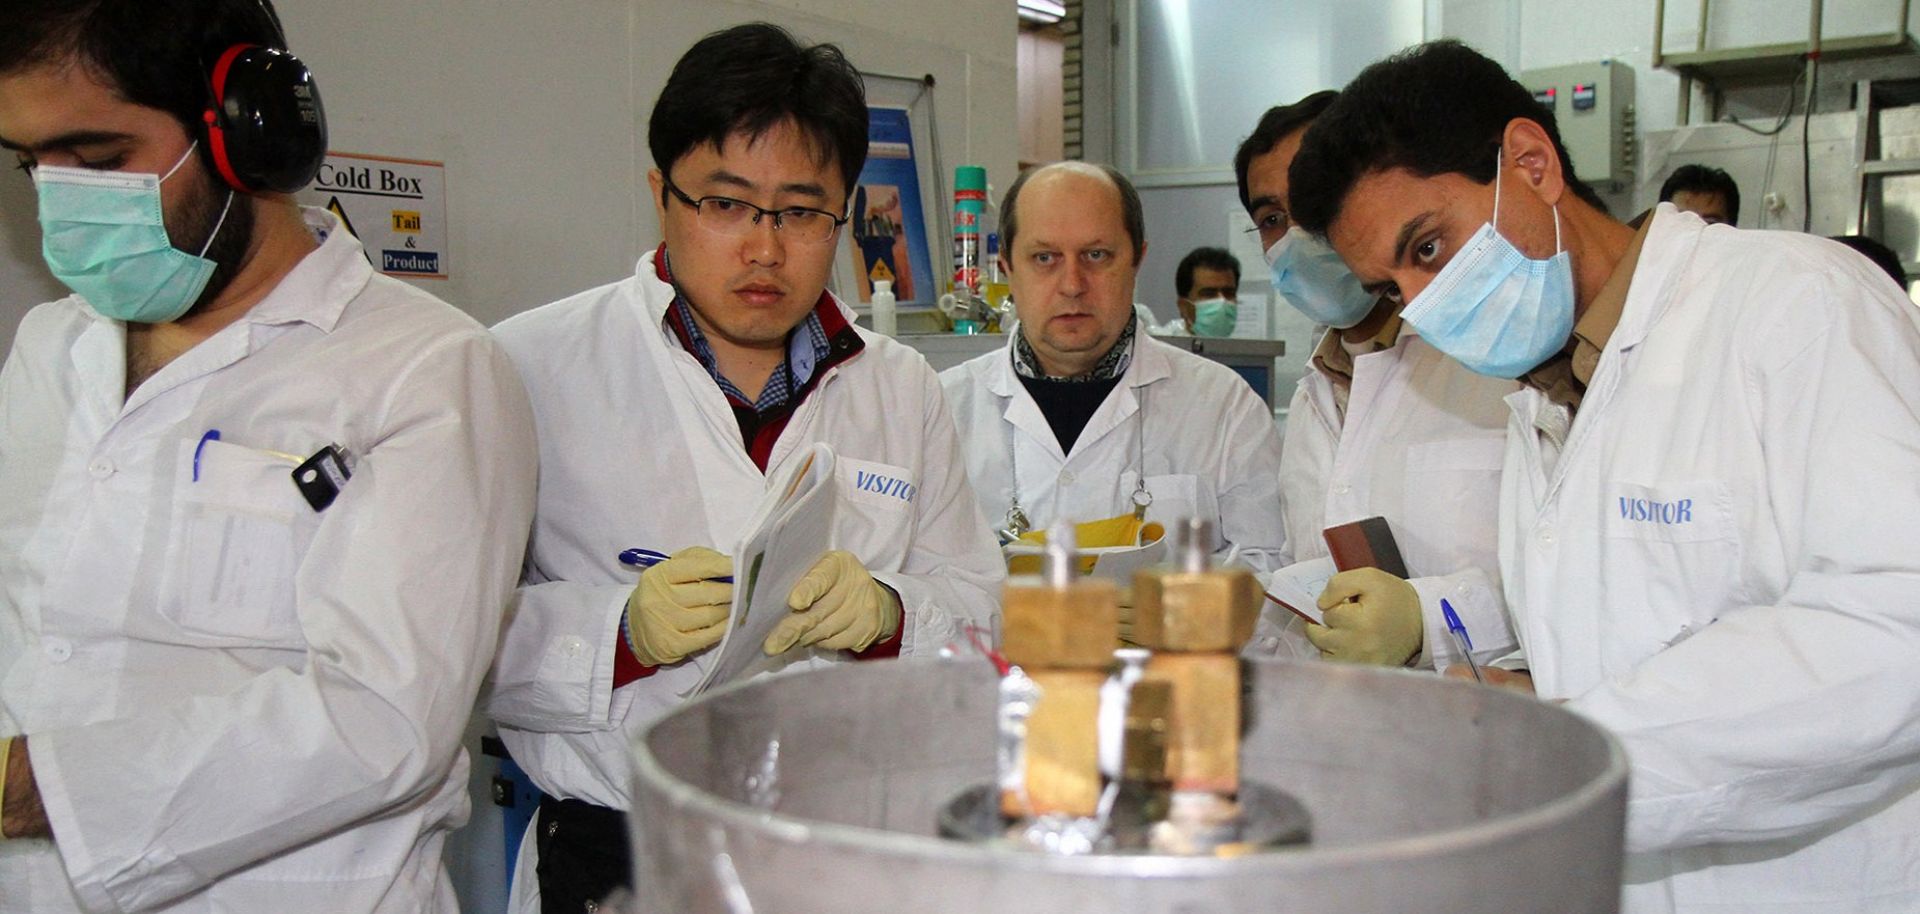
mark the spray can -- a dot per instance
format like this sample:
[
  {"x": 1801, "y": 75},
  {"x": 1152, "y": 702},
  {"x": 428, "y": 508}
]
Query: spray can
[{"x": 969, "y": 211}]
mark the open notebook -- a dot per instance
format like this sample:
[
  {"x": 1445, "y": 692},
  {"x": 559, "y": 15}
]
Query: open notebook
[{"x": 787, "y": 533}]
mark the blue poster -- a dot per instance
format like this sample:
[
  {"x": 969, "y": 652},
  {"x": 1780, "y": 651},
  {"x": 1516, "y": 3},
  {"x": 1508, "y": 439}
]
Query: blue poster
[{"x": 889, "y": 228}]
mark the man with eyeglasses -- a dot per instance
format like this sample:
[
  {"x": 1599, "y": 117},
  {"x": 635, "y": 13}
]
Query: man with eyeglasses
[
  {"x": 1382, "y": 424},
  {"x": 665, "y": 401}
]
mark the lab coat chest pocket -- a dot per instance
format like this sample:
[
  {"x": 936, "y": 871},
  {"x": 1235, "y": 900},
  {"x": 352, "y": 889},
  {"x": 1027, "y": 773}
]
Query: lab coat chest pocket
[
  {"x": 1672, "y": 556},
  {"x": 1452, "y": 497},
  {"x": 238, "y": 531},
  {"x": 1176, "y": 497},
  {"x": 879, "y": 507}
]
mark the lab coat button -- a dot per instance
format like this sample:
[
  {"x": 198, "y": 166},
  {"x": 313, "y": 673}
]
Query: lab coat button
[
  {"x": 1342, "y": 489},
  {"x": 58, "y": 650},
  {"x": 100, "y": 469},
  {"x": 1066, "y": 477},
  {"x": 574, "y": 646}
]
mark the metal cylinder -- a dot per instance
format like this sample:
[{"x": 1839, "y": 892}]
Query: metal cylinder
[{"x": 821, "y": 791}]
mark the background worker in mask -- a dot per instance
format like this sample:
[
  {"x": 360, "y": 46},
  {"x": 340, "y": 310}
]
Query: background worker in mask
[
  {"x": 1084, "y": 417},
  {"x": 1207, "y": 282},
  {"x": 227, "y": 684},
  {"x": 1709, "y": 501},
  {"x": 1381, "y": 424}
]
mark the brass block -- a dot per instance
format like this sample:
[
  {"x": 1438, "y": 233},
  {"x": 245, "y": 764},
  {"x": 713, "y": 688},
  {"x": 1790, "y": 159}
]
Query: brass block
[
  {"x": 1195, "y": 611},
  {"x": 1063, "y": 747},
  {"x": 1076, "y": 628},
  {"x": 1145, "y": 756},
  {"x": 1203, "y": 735}
]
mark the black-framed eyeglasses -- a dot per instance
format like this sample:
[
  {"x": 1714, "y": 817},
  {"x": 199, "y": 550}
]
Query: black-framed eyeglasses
[{"x": 732, "y": 216}]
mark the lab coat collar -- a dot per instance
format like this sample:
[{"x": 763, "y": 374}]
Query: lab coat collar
[
  {"x": 1151, "y": 362},
  {"x": 1671, "y": 236},
  {"x": 318, "y": 288},
  {"x": 315, "y": 292}
]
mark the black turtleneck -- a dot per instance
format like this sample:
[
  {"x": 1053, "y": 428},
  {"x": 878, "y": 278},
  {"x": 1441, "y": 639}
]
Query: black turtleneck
[{"x": 1068, "y": 404}]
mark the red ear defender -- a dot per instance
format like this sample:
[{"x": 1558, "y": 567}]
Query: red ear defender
[
  {"x": 216, "y": 136},
  {"x": 266, "y": 130}
]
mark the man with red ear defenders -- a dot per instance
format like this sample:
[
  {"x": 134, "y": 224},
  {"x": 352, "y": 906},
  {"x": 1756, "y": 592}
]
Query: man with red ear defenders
[{"x": 260, "y": 508}]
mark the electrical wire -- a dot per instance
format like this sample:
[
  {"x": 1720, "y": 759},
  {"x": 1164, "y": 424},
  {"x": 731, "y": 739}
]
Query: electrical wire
[
  {"x": 1806, "y": 148},
  {"x": 1786, "y": 113}
]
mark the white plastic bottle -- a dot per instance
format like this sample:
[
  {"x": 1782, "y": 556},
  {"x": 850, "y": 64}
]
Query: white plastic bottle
[{"x": 886, "y": 317}]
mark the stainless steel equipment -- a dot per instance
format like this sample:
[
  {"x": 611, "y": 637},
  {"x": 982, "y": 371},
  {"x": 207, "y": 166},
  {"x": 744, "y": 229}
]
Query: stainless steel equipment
[{"x": 820, "y": 792}]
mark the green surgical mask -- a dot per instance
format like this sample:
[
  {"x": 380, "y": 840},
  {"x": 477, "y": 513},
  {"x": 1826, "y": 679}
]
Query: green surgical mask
[
  {"x": 105, "y": 237},
  {"x": 1215, "y": 317}
]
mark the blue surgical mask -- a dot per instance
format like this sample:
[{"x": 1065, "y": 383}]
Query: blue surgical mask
[
  {"x": 1311, "y": 276},
  {"x": 1495, "y": 310},
  {"x": 104, "y": 235},
  {"x": 1215, "y": 317}
]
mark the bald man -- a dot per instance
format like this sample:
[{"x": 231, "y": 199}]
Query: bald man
[{"x": 1083, "y": 416}]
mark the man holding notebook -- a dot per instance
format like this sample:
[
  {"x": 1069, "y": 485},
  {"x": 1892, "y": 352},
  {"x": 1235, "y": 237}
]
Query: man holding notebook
[{"x": 665, "y": 405}]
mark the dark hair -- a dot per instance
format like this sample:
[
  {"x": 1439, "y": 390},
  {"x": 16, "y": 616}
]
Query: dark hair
[
  {"x": 1212, "y": 259},
  {"x": 1881, "y": 255},
  {"x": 1131, "y": 212},
  {"x": 751, "y": 78},
  {"x": 153, "y": 53},
  {"x": 1436, "y": 108},
  {"x": 1704, "y": 179},
  {"x": 1274, "y": 126}
]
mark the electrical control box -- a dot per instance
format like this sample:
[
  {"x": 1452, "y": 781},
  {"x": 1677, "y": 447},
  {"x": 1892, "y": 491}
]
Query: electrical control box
[{"x": 1593, "y": 105}]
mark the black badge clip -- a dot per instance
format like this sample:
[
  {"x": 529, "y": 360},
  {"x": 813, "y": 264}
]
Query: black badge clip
[{"x": 322, "y": 477}]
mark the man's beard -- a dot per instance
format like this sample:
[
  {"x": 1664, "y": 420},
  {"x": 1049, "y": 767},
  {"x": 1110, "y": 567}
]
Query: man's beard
[{"x": 189, "y": 226}]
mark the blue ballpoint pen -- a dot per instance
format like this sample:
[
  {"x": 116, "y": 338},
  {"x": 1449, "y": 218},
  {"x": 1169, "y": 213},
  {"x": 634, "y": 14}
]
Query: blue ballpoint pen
[
  {"x": 647, "y": 558},
  {"x": 1461, "y": 641}
]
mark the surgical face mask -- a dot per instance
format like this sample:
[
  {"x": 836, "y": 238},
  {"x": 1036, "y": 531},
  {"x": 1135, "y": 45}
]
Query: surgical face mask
[
  {"x": 1495, "y": 310},
  {"x": 104, "y": 235},
  {"x": 1313, "y": 278},
  {"x": 1215, "y": 317}
]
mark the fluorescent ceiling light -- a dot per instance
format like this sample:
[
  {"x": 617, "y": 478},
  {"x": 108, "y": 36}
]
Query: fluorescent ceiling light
[{"x": 1046, "y": 11}]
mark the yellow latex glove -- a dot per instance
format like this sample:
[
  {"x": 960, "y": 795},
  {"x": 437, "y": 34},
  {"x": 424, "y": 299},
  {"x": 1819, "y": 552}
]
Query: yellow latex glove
[
  {"x": 1122, "y": 530},
  {"x": 1372, "y": 617},
  {"x": 678, "y": 608},
  {"x": 837, "y": 605}
]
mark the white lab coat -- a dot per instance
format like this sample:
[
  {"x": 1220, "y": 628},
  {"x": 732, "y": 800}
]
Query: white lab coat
[
  {"x": 1421, "y": 445},
  {"x": 1717, "y": 562},
  {"x": 640, "y": 449},
  {"x": 1211, "y": 449},
  {"x": 236, "y": 703}
]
